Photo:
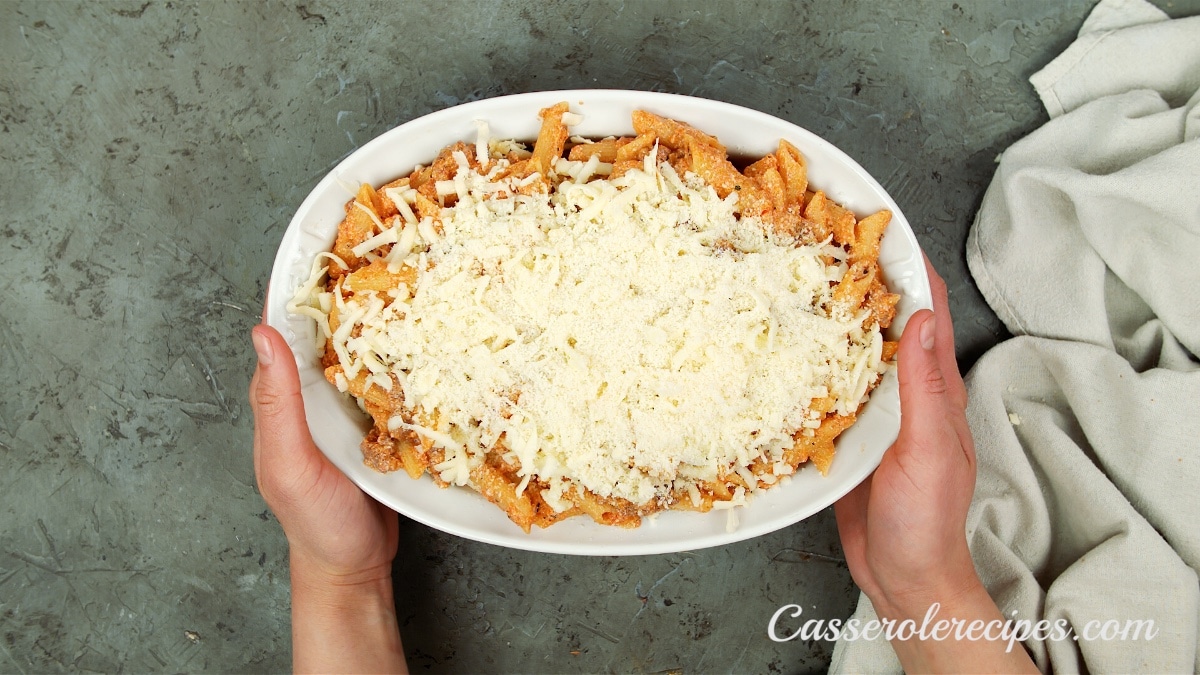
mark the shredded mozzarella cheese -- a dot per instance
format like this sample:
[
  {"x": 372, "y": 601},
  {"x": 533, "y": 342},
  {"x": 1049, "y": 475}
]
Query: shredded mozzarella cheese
[{"x": 629, "y": 336}]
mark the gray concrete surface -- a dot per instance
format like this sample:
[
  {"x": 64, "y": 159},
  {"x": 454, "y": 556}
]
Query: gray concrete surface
[{"x": 151, "y": 155}]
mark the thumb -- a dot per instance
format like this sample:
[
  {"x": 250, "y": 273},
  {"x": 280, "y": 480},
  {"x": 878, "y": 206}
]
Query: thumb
[
  {"x": 275, "y": 392},
  {"x": 923, "y": 385},
  {"x": 921, "y": 377},
  {"x": 281, "y": 435}
]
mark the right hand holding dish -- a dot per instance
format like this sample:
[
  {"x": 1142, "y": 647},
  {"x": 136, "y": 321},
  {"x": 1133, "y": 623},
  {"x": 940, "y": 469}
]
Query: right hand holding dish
[{"x": 903, "y": 529}]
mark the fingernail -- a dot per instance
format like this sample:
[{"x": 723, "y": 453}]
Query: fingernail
[
  {"x": 927, "y": 330},
  {"x": 262, "y": 346}
]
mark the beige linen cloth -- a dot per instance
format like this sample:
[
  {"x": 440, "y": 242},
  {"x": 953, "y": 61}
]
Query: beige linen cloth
[{"x": 1087, "y": 424}]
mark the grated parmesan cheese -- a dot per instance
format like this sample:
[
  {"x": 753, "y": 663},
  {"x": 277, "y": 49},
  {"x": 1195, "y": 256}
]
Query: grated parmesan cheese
[{"x": 629, "y": 336}]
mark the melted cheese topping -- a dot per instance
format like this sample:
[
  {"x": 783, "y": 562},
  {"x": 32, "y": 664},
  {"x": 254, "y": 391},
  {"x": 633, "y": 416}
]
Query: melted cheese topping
[{"x": 630, "y": 336}]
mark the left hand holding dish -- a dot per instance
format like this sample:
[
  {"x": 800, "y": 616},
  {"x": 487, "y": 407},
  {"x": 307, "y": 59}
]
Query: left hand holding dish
[{"x": 341, "y": 542}]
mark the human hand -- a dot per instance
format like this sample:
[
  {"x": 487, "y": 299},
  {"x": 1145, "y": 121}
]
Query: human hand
[
  {"x": 903, "y": 530},
  {"x": 329, "y": 522},
  {"x": 341, "y": 541}
]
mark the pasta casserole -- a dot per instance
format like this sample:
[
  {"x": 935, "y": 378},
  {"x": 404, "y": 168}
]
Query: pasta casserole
[{"x": 603, "y": 327}]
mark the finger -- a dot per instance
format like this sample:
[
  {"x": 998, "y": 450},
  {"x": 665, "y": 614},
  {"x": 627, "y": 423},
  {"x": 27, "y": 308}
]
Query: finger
[
  {"x": 851, "y": 514},
  {"x": 945, "y": 335},
  {"x": 941, "y": 302},
  {"x": 851, "y": 510},
  {"x": 918, "y": 364},
  {"x": 926, "y": 405},
  {"x": 257, "y": 455},
  {"x": 284, "y": 450}
]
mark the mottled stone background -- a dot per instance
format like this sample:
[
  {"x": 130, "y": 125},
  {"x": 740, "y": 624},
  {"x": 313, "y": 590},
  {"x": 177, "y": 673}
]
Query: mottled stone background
[{"x": 151, "y": 155}]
